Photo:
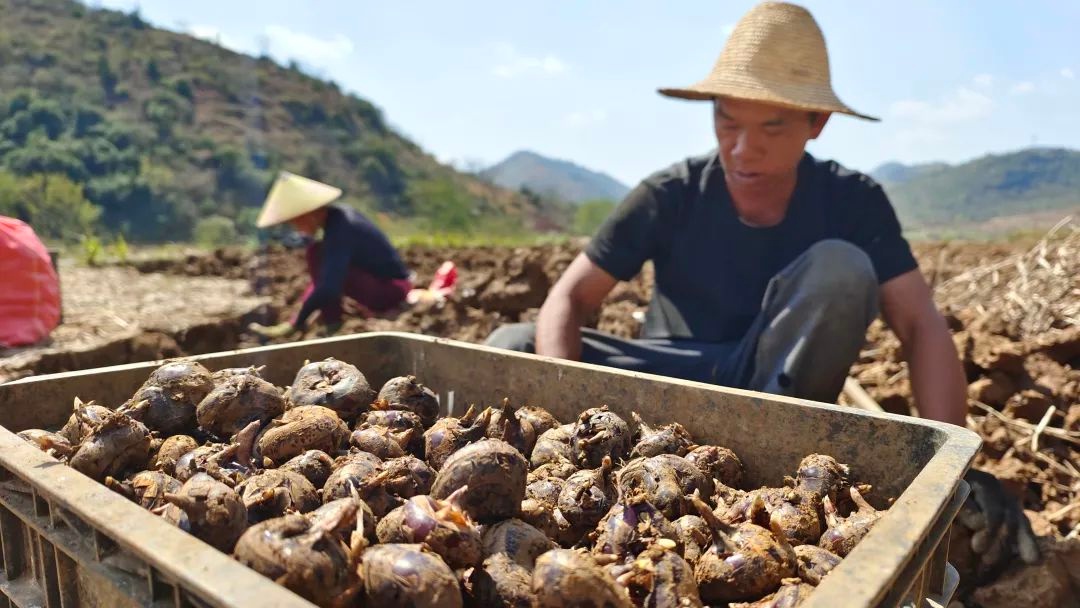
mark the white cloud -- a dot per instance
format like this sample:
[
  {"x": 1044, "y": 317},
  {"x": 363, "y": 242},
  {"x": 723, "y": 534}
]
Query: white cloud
[
  {"x": 728, "y": 28},
  {"x": 513, "y": 64},
  {"x": 961, "y": 105},
  {"x": 285, "y": 42},
  {"x": 984, "y": 80},
  {"x": 1067, "y": 73},
  {"x": 1022, "y": 88},
  {"x": 585, "y": 118}
]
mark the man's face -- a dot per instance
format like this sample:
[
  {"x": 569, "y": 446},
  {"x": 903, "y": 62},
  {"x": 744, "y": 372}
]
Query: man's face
[{"x": 761, "y": 144}]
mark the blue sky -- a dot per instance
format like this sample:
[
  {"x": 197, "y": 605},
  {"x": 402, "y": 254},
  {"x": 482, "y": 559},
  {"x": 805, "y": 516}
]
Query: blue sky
[{"x": 472, "y": 82}]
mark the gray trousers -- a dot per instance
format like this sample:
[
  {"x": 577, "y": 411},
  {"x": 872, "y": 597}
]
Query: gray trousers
[{"x": 810, "y": 329}]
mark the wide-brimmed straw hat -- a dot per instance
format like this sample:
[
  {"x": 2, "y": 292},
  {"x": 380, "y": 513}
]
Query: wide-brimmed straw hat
[
  {"x": 776, "y": 54},
  {"x": 292, "y": 196}
]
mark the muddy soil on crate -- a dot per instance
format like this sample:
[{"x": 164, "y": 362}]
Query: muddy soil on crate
[{"x": 1012, "y": 313}]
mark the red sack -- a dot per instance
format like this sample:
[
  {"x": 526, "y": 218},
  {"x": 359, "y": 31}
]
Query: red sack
[{"x": 29, "y": 287}]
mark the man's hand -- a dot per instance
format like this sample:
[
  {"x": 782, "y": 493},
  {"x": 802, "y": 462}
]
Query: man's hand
[
  {"x": 1000, "y": 529},
  {"x": 280, "y": 330}
]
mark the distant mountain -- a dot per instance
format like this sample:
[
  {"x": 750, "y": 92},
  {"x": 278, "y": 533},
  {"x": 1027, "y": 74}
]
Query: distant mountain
[
  {"x": 896, "y": 173},
  {"x": 555, "y": 178},
  {"x": 1029, "y": 181}
]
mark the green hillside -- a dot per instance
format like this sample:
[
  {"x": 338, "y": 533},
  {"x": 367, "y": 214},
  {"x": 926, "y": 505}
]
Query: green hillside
[
  {"x": 552, "y": 178},
  {"x": 1018, "y": 183},
  {"x": 133, "y": 130}
]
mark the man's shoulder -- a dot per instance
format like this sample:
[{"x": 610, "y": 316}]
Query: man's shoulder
[
  {"x": 835, "y": 175},
  {"x": 684, "y": 172}
]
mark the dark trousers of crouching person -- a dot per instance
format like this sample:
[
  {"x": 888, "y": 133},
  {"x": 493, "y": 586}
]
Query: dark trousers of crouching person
[{"x": 810, "y": 329}]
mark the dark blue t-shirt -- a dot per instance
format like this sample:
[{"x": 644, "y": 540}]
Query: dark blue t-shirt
[
  {"x": 349, "y": 240},
  {"x": 711, "y": 268}
]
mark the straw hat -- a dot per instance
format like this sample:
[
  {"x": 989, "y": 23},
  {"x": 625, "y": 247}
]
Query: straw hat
[
  {"x": 292, "y": 196},
  {"x": 776, "y": 55}
]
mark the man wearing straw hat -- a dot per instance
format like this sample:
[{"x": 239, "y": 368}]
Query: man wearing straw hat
[
  {"x": 769, "y": 264},
  {"x": 354, "y": 259}
]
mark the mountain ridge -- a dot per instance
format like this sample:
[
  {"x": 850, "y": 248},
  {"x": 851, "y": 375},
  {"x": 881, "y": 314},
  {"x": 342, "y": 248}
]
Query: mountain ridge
[{"x": 556, "y": 178}]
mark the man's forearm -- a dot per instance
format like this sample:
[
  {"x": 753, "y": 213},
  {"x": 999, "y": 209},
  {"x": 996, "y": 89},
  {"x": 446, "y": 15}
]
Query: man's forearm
[
  {"x": 558, "y": 330},
  {"x": 937, "y": 376}
]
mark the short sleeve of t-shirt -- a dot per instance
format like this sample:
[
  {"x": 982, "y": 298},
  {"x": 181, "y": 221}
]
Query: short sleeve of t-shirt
[
  {"x": 872, "y": 226},
  {"x": 628, "y": 237}
]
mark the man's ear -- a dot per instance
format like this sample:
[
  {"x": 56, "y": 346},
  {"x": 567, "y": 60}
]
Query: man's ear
[{"x": 817, "y": 123}]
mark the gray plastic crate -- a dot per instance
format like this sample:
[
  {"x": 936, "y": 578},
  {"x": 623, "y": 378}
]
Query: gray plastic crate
[{"x": 69, "y": 541}]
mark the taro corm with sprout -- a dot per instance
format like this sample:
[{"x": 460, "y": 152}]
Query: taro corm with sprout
[
  {"x": 274, "y": 493},
  {"x": 539, "y": 418},
  {"x": 449, "y": 435},
  {"x": 302, "y": 428},
  {"x": 538, "y": 509},
  {"x": 694, "y": 535},
  {"x": 562, "y": 469},
  {"x": 407, "y": 576},
  {"x": 718, "y": 463},
  {"x": 113, "y": 445},
  {"x": 170, "y": 451},
  {"x": 166, "y": 402},
  {"x": 796, "y": 512},
  {"x": 668, "y": 439},
  {"x": 406, "y": 393},
  {"x": 441, "y": 525},
  {"x": 504, "y": 424},
  {"x": 587, "y": 496},
  {"x": 147, "y": 488},
  {"x": 744, "y": 562},
  {"x": 228, "y": 463},
  {"x": 300, "y": 554},
  {"x": 511, "y": 548},
  {"x": 846, "y": 532},
  {"x": 362, "y": 473},
  {"x": 236, "y": 402},
  {"x": 815, "y": 562},
  {"x": 83, "y": 419},
  {"x": 792, "y": 592},
  {"x": 666, "y": 480},
  {"x": 553, "y": 446},
  {"x": 397, "y": 421},
  {"x": 407, "y": 476},
  {"x": 568, "y": 577},
  {"x": 333, "y": 384},
  {"x": 314, "y": 465},
  {"x": 494, "y": 474},
  {"x": 658, "y": 577},
  {"x": 599, "y": 432},
  {"x": 189, "y": 381},
  {"x": 349, "y": 518},
  {"x": 209, "y": 509},
  {"x": 632, "y": 526},
  {"x": 381, "y": 441}
]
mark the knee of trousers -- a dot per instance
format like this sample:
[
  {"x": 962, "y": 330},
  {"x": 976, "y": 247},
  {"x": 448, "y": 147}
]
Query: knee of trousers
[
  {"x": 519, "y": 337},
  {"x": 841, "y": 272}
]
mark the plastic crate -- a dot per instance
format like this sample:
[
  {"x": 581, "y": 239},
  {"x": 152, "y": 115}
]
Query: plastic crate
[{"x": 69, "y": 541}]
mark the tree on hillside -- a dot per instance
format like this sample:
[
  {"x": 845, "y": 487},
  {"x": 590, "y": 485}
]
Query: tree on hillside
[{"x": 53, "y": 205}]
